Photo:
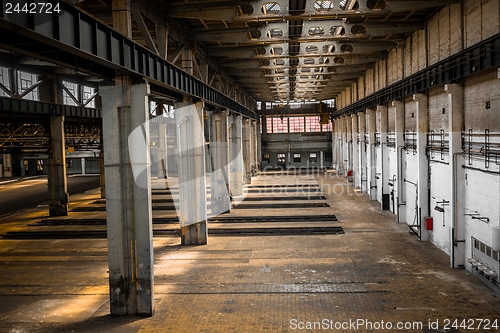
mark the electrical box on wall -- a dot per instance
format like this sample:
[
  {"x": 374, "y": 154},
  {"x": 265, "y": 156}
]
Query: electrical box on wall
[{"x": 428, "y": 223}]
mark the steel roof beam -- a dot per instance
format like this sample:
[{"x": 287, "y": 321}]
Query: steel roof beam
[{"x": 72, "y": 35}]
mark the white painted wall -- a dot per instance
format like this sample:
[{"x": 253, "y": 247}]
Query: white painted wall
[{"x": 449, "y": 31}]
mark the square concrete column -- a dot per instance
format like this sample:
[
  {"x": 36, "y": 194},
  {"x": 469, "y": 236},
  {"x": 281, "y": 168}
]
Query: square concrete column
[
  {"x": 57, "y": 182},
  {"x": 247, "y": 151},
  {"x": 219, "y": 158},
  {"x": 7, "y": 165},
  {"x": 162, "y": 160},
  {"x": 334, "y": 145},
  {"x": 128, "y": 196},
  {"x": 423, "y": 162},
  {"x": 457, "y": 180},
  {"x": 355, "y": 150},
  {"x": 259, "y": 148},
  {"x": 341, "y": 151},
  {"x": 82, "y": 161},
  {"x": 399, "y": 115},
  {"x": 362, "y": 167},
  {"x": 349, "y": 143},
  {"x": 192, "y": 182},
  {"x": 102, "y": 177},
  {"x": 371, "y": 183},
  {"x": 237, "y": 165},
  {"x": 254, "y": 138},
  {"x": 383, "y": 162}
]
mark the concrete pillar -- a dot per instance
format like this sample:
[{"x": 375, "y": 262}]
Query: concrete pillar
[
  {"x": 345, "y": 147},
  {"x": 254, "y": 139},
  {"x": 172, "y": 154},
  {"x": 247, "y": 151},
  {"x": 362, "y": 167},
  {"x": 7, "y": 165},
  {"x": 457, "y": 182},
  {"x": 128, "y": 202},
  {"x": 259, "y": 148},
  {"x": 236, "y": 167},
  {"x": 82, "y": 160},
  {"x": 423, "y": 162},
  {"x": 340, "y": 148},
  {"x": 334, "y": 145},
  {"x": 192, "y": 182},
  {"x": 383, "y": 162},
  {"x": 102, "y": 177},
  {"x": 355, "y": 150},
  {"x": 162, "y": 161},
  {"x": 219, "y": 157},
  {"x": 122, "y": 17},
  {"x": 22, "y": 167},
  {"x": 400, "y": 184},
  {"x": 370, "y": 155},
  {"x": 57, "y": 182},
  {"x": 349, "y": 143},
  {"x": 321, "y": 159}
]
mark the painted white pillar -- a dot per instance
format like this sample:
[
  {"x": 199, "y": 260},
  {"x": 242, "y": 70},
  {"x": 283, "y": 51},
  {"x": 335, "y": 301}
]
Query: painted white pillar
[
  {"x": 370, "y": 152},
  {"x": 259, "y": 147},
  {"x": 340, "y": 146},
  {"x": 362, "y": 167},
  {"x": 349, "y": 143},
  {"x": 400, "y": 186},
  {"x": 355, "y": 150},
  {"x": 253, "y": 140},
  {"x": 455, "y": 111},
  {"x": 219, "y": 157},
  {"x": 237, "y": 165},
  {"x": 192, "y": 182},
  {"x": 384, "y": 159},
  {"x": 334, "y": 145},
  {"x": 162, "y": 159},
  {"x": 128, "y": 199},
  {"x": 423, "y": 162},
  {"x": 247, "y": 150}
]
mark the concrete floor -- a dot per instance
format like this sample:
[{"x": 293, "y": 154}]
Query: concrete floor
[{"x": 376, "y": 271}]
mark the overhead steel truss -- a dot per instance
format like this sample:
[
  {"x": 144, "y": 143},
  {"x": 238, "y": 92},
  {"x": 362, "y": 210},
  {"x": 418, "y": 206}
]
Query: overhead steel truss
[
  {"x": 74, "y": 39},
  {"x": 26, "y": 106},
  {"x": 480, "y": 57},
  {"x": 34, "y": 134}
]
